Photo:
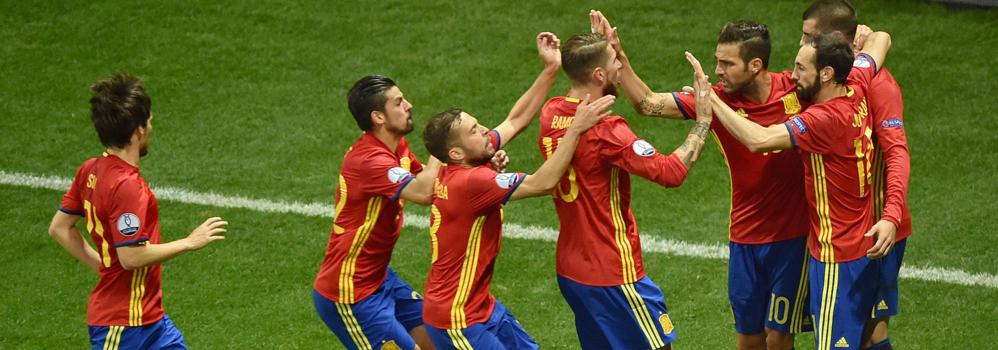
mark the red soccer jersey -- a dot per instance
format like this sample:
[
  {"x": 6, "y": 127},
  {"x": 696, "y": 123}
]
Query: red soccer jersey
[
  {"x": 891, "y": 160},
  {"x": 465, "y": 235},
  {"x": 120, "y": 210},
  {"x": 368, "y": 219},
  {"x": 598, "y": 244},
  {"x": 835, "y": 141},
  {"x": 767, "y": 190}
]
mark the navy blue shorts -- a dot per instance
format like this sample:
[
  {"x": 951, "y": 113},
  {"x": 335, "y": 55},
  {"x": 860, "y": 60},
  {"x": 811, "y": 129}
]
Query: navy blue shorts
[
  {"x": 162, "y": 334},
  {"x": 501, "y": 331},
  {"x": 842, "y": 296},
  {"x": 890, "y": 267},
  {"x": 630, "y": 316},
  {"x": 768, "y": 288},
  {"x": 383, "y": 318}
]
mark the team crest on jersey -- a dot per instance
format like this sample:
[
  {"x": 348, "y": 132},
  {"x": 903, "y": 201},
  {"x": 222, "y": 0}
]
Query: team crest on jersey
[
  {"x": 892, "y": 123},
  {"x": 390, "y": 345},
  {"x": 128, "y": 224},
  {"x": 397, "y": 174},
  {"x": 643, "y": 148},
  {"x": 666, "y": 323},
  {"x": 791, "y": 105},
  {"x": 506, "y": 180},
  {"x": 798, "y": 124}
]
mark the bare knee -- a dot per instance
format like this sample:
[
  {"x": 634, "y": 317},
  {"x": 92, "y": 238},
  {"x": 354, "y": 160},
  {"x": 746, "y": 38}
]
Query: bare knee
[
  {"x": 752, "y": 341},
  {"x": 776, "y": 340}
]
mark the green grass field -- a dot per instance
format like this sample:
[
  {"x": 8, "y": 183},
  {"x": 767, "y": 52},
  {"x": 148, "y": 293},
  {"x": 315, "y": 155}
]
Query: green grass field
[{"x": 249, "y": 101}]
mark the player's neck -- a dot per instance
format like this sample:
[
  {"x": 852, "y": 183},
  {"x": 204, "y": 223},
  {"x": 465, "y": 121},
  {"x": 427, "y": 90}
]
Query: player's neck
[
  {"x": 758, "y": 90},
  {"x": 390, "y": 139},
  {"x": 830, "y": 92},
  {"x": 129, "y": 154},
  {"x": 579, "y": 92}
]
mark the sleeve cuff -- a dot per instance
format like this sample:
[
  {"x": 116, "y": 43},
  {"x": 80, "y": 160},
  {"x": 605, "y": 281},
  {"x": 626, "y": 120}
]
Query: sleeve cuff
[
  {"x": 793, "y": 138},
  {"x": 398, "y": 193},
  {"x": 513, "y": 189},
  {"x": 71, "y": 212},
  {"x": 679, "y": 105},
  {"x": 131, "y": 242}
]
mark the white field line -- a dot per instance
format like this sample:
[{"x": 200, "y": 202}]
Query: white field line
[{"x": 510, "y": 230}]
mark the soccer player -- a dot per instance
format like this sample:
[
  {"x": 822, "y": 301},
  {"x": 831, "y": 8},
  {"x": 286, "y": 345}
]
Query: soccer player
[
  {"x": 467, "y": 214},
  {"x": 834, "y": 139},
  {"x": 891, "y": 161},
  {"x": 122, "y": 218},
  {"x": 767, "y": 265},
  {"x": 357, "y": 295},
  {"x": 600, "y": 271}
]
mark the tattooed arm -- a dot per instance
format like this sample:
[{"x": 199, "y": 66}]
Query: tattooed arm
[{"x": 689, "y": 152}]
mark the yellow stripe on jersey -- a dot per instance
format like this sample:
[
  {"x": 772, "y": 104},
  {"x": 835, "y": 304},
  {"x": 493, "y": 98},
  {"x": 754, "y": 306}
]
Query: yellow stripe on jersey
[
  {"x": 434, "y": 245},
  {"x": 94, "y": 225},
  {"x": 629, "y": 272},
  {"x": 798, "y": 316},
  {"x": 353, "y": 327},
  {"x": 339, "y": 205},
  {"x": 879, "y": 183},
  {"x": 822, "y": 209},
  {"x": 459, "y": 340},
  {"x": 458, "y": 318},
  {"x": 731, "y": 182},
  {"x": 829, "y": 293},
  {"x": 137, "y": 293},
  {"x": 645, "y": 321},
  {"x": 349, "y": 266},
  {"x": 113, "y": 337}
]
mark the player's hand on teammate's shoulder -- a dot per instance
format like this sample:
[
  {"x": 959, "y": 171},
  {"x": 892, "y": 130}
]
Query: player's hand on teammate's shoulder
[
  {"x": 589, "y": 113},
  {"x": 499, "y": 161},
  {"x": 211, "y": 230},
  {"x": 862, "y": 32},
  {"x": 549, "y": 49}
]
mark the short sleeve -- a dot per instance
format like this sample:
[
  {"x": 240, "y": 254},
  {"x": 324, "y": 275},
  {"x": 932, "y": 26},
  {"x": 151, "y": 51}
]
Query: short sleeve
[
  {"x": 620, "y": 147},
  {"x": 128, "y": 214},
  {"x": 487, "y": 188},
  {"x": 385, "y": 176},
  {"x": 812, "y": 131},
  {"x": 72, "y": 203},
  {"x": 686, "y": 103},
  {"x": 862, "y": 73},
  {"x": 495, "y": 139}
]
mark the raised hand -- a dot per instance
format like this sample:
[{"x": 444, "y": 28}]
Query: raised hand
[
  {"x": 590, "y": 113},
  {"x": 599, "y": 24},
  {"x": 862, "y": 32},
  {"x": 548, "y": 48},
  {"x": 701, "y": 89}
]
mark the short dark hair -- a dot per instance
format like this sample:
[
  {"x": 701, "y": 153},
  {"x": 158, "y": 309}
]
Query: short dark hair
[
  {"x": 368, "y": 95},
  {"x": 438, "y": 136},
  {"x": 119, "y": 106},
  {"x": 833, "y": 16},
  {"x": 752, "y": 39},
  {"x": 832, "y": 51},
  {"x": 581, "y": 54}
]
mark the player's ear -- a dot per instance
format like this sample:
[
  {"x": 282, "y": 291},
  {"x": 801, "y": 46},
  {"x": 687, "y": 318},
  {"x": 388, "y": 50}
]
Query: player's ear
[
  {"x": 755, "y": 65},
  {"x": 599, "y": 75},
  {"x": 826, "y": 73},
  {"x": 378, "y": 117},
  {"x": 456, "y": 154}
]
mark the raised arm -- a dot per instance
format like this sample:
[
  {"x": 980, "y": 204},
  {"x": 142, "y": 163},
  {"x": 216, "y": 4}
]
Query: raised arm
[
  {"x": 543, "y": 181},
  {"x": 642, "y": 98},
  {"x": 756, "y": 137},
  {"x": 876, "y": 46},
  {"x": 420, "y": 189},
  {"x": 63, "y": 230},
  {"x": 525, "y": 109}
]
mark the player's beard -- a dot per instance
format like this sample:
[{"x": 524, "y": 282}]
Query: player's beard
[
  {"x": 610, "y": 89},
  {"x": 808, "y": 93},
  {"x": 405, "y": 130}
]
